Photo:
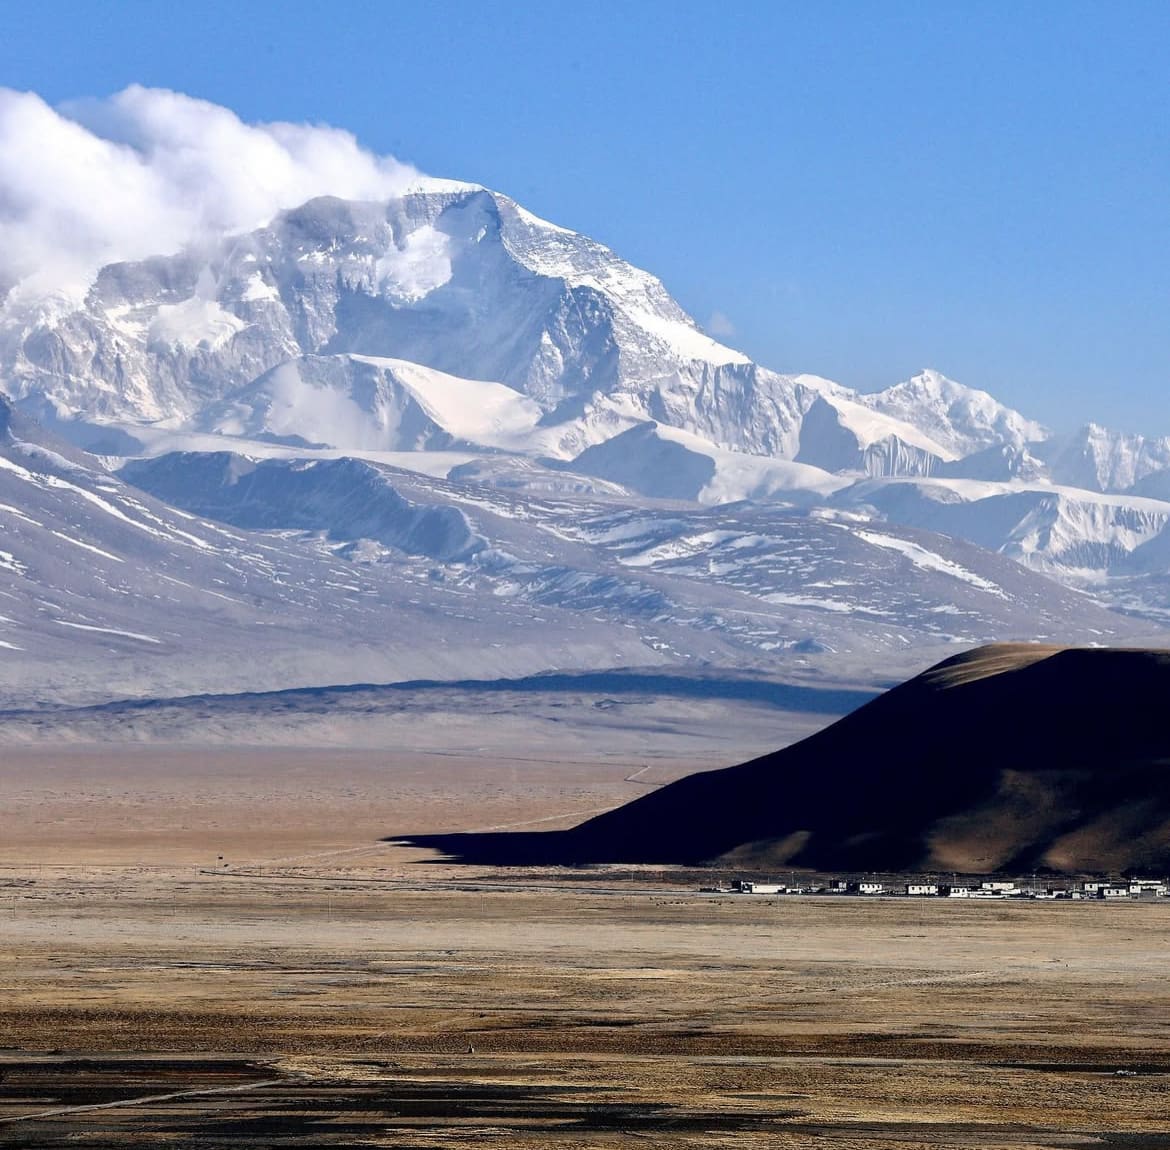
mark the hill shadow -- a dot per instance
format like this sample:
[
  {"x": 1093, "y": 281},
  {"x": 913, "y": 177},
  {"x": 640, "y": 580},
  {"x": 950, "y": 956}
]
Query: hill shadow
[
  {"x": 726, "y": 686},
  {"x": 1009, "y": 756}
]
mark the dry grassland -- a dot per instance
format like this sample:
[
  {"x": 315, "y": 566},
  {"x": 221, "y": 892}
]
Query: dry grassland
[{"x": 323, "y": 990}]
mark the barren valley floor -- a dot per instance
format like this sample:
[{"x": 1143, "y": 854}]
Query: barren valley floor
[{"x": 324, "y": 990}]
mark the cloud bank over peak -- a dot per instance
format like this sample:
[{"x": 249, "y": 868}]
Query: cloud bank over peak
[{"x": 147, "y": 171}]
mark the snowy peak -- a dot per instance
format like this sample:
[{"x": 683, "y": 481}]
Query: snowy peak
[
  {"x": 580, "y": 262},
  {"x": 462, "y": 240},
  {"x": 452, "y": 277},
  {"x": 960, "y": 419},
  {"x": 1102, "y": 460},
  {"x": 250, "y": 336}
]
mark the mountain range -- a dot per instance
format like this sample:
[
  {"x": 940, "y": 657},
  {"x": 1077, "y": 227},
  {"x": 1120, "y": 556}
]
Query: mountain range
[{"x": 438, "y": 436}]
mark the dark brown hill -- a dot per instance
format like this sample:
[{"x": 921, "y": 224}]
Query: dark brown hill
[{"x": 1006, "y": 758}]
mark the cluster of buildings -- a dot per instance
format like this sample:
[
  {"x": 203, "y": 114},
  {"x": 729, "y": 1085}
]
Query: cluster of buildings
[{"x": 992, "y": 888}]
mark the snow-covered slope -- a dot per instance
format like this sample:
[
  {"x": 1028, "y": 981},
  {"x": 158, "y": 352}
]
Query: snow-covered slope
[
  {"x": 839, "y": 434},
  {"x": 377, "y": 404},
  {"x": 1098, "y": 459},
  {"x": 1066, "y": 532},
  {"x": 668, "y": 463},
  {"x": 346, "y": 499},
  {"x": 746, "y": 579},
  {"x": 999, "y": 463},
  {"x": 221, "y": 572}
]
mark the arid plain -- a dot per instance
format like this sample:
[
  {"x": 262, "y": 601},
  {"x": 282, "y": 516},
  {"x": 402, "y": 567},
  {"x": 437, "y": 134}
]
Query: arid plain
[{"x": 317, "y": 987}]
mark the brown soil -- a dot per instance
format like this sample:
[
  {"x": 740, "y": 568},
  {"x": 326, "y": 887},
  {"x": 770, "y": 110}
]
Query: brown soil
[{"x": 352, "y": 995}]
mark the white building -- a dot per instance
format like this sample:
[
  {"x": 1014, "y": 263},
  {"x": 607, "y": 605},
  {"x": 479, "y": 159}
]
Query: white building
[
  {"x": 1147, "y": 888},
  {"x": 921, "y": 888}
]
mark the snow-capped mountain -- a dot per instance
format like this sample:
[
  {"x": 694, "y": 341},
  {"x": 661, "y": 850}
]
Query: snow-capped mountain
[
  {"x": 451, "y": 277},
  {"x": 250, "y": 335},
  {"x": 1061, "y": 530},
  {"x": 960, "y": 419},
  {"x": 444, "y": 408},
  {"x": 465, "y": 282},
  {"x": 1102, "y": 460}
]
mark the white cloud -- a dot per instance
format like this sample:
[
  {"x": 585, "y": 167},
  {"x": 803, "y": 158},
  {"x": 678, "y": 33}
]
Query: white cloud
[
  {"x": 147, "y": 171},
  {"x": 720, "y": 326}
]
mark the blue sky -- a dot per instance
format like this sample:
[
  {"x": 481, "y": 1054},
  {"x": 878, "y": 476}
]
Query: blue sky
[{"x": 859, "y": 189}]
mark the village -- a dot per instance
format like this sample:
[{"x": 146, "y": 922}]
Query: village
[{"x": 1108, "y": 890}]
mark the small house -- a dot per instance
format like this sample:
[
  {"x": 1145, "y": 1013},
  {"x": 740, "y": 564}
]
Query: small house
[
  {"x": 920, "y": 889},
  {"x": 1146, "y": 888}
]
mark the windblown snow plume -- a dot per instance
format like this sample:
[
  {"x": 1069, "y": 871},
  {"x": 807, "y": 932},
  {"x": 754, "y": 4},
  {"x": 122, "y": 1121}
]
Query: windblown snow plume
[{"x": 145, "y": 172}]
